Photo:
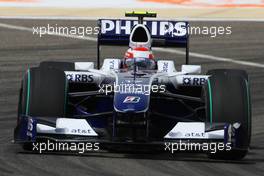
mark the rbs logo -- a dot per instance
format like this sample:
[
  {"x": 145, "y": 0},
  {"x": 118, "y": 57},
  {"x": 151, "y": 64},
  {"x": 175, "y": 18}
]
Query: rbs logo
[{"x": 81, "y": 78}]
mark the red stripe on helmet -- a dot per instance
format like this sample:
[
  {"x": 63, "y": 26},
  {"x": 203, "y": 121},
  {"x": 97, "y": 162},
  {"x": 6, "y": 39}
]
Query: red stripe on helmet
[{"x": 141, "y": 49}]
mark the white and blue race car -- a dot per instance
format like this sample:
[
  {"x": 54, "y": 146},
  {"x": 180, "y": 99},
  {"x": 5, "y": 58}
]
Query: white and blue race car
[{"x": 136, "y": 101}]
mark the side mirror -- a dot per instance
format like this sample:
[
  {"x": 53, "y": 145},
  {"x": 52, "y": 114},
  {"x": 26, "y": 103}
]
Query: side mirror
[
  {"x": 190, "y": 69},
  {"x": 83, "y": 65}
]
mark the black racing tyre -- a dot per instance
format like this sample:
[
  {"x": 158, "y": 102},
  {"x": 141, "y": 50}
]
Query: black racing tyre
[
  {"x": 241, "y": 73},
  {"x": 64, "y": 66},
  {"x": 228, "y": 100},
  {"x": 43, "y": 93}
]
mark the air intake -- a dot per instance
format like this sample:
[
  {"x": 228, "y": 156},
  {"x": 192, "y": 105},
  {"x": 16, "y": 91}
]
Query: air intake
[{"x": 140, "y": 37}]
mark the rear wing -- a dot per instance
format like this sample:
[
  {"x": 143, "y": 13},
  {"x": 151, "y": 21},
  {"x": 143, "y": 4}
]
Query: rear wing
[{"x": 163, "y": 33}]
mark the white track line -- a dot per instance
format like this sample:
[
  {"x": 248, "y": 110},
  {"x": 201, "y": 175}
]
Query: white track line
[
  {"x": 210, "y": 57},
  {"x": 167, "y": 50},
  {"x": 22, "y": 28},
  {"x": 102, "y": 17}
]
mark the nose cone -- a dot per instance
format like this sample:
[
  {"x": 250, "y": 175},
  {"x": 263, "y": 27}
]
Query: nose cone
[{"x": 140, "y": 37}]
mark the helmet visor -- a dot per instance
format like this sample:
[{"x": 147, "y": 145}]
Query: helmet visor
[{"x": 141, "y": 63}]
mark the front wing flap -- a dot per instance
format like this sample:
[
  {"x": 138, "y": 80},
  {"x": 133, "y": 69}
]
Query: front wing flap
[{"x": 31, "y": 129}]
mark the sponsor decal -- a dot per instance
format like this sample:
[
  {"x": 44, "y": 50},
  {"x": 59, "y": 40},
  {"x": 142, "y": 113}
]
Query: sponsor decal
[
  {"x": 193, "y": 81},
  {"x": 112, "y": 65},
  {"x": 157, "y": 28},
  {"x": 81, "y": 131},
  {"x": 202, "y": 135},
  {"x": 30, "y": 127},
  {"x": 165, "y": 66},
  {"x": 172, "y": 134},
  {"x": 131, "y": 99},
  {"x": 83, "y": 78}
]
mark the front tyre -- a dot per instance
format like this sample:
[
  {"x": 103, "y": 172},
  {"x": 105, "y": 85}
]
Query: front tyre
[
  {"x": 227, "y": 97},
  {"x": 43, "y": 93}
]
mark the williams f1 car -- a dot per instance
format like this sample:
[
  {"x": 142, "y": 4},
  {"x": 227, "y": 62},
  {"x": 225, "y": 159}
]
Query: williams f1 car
[{"x": 136, "y": 100}]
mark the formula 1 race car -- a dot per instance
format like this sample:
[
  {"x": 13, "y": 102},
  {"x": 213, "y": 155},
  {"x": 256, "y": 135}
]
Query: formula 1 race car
[{"x": 136, "y": 100}]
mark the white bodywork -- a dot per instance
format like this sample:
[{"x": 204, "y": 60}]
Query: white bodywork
[
  {"x": 68, "y": 126},
  {"x": 84, "y": 65},
  {"x": 193, "y": 130},
  {"x": 188, "y": 76}
]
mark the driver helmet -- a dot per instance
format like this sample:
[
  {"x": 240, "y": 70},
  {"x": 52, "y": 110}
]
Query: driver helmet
[{"x": 141, "y": 57}]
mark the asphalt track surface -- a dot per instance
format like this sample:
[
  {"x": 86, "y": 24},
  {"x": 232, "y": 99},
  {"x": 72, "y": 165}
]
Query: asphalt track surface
[{"x": 20, "y": 50}]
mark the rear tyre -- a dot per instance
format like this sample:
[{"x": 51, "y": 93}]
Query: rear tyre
[{"x": 227, "y": 97}]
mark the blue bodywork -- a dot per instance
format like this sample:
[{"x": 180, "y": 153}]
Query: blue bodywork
[
  {"x": 27, "y": 129},
  {"x": 127, "y": 98}
]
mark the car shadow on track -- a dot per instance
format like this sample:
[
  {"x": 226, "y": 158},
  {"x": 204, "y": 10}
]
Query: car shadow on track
[{"x": 190, "y": 157}]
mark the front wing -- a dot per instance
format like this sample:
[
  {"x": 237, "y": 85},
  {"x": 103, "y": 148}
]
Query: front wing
[{"x": 34, "y": 129}]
